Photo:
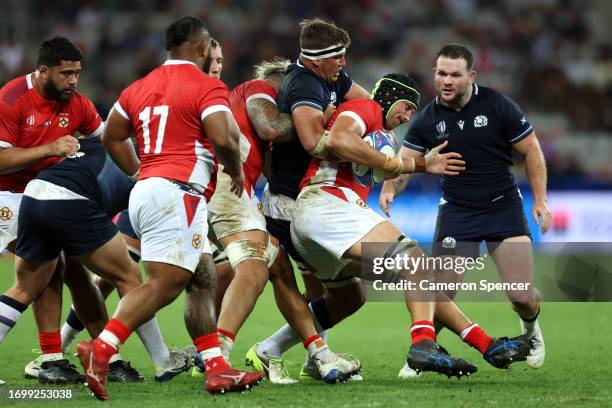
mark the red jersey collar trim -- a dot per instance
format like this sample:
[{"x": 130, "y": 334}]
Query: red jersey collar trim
[
  {"x": 29, "y": 80},
  {"x": 178, "y": 62}
]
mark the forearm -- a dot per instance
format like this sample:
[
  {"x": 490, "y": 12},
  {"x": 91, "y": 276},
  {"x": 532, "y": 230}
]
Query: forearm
[
  {"x": 355, "y": 150},
  {"x": 283, "y": 129},
  {"x": 14, "y": 157},
  {"x": 398, "y": 184},
  {"x": 123, "y": 154},
  {"x": 535, "y": 166}
]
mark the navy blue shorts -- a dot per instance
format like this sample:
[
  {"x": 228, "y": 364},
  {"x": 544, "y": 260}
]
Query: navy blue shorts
[
  {"x": 125, "y": 225},
  {"x": 281, "y": 230},
  {"x": 46, "y": 227},
  {"x": 461, "y": 229}
]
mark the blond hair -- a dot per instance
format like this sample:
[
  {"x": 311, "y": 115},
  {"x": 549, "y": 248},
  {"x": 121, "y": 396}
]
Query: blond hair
[{"x": 277, "y": 66}]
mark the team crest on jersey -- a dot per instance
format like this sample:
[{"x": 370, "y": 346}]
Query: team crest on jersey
[
  {"x": 196, "y": 241},
  {"x": 63, "y": 121},
  {"x": 480, "y": 121},
  {"x": 441, "y": 129},
  {"x": 6, "y": 214},
  {"x": 361, "y": 203}
]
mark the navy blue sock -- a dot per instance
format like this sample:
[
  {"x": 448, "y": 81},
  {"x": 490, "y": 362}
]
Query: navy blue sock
[
  {"x": 319, "y": 309},
  {"x": 74, "y": 321}
]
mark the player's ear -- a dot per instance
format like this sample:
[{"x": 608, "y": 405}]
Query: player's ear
[
  {"x": 43, "y": 71},
  {"x": 472, "y": 75}
]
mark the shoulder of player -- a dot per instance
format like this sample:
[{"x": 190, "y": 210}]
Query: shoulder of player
[
  {"x": 359, "y": 106},
  {"x": 14, "y": 89}
]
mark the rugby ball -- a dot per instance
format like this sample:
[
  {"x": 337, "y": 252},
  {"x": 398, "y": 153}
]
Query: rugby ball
[{"x": 385, "y": 143}]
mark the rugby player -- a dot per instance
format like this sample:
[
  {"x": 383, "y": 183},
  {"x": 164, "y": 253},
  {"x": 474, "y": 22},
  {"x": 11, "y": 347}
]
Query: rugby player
[
  {"x": 40, "y": 114},
  {"x": 311, "y": 90},
  {"x": 179, "y": 115},
  {"x": 483, "y": 203}
]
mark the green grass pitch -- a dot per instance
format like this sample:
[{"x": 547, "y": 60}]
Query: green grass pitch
[{"x": 577, "y": 370}]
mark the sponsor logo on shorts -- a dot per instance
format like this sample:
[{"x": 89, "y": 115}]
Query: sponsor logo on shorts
[
  {"x": 260, "y": 208},
  {"x": 196, "y": 241},
  {"x": 63, "y": 121},
  {"x": 361, "y": 203},
  {"x": 6, "y": 214},
  {"x": 449, "y": 242}
]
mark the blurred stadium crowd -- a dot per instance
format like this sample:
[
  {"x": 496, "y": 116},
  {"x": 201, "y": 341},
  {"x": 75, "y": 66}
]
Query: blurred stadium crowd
[{"x": 554, "y": 57}]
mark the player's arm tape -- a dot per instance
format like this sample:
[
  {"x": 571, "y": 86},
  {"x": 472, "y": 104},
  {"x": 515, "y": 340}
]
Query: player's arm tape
[
  {"x": 396, "y": 165},
  {"x": 320, "y": 150}
]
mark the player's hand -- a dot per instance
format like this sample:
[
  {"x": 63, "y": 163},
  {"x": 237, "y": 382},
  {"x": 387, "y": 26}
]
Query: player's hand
[
  {"x": 329, "y": 111},
  {"x": 237, "y": 185},
  {"x": 386, "y": 198},
  {"x": 449, "y": 164},
  {"x": 542, "y": 215},
  {"x": 64, "y": 146}
]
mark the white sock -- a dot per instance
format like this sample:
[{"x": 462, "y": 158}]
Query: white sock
[
  {"x": 310, "y": 361},
  {"x": 52, "y": 357},
  {"x": 154, "y": 343},
  {"x": 68, "y": 333},
  {"x": 9, "y": 315},
  {"x": 227, "y": 344},
  {"x": 114, "y": 357},
  {"x": 281, "y": 341},
  {"x": 323, "y": 353}
]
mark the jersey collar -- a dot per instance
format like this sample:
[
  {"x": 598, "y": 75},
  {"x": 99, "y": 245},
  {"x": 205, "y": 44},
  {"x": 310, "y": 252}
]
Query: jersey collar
[{"x": 178, "y": 62}]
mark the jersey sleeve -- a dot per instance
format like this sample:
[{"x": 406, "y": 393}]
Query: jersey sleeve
[
  {"x": 9, "y": 125},
  {"x": 214, "y": 97},
  {"x": 515, "y": 126},
  {"x": 91, "y": 122},
  {"x": 260, "y": 89},
  {"x": 362, "y": 112},
  {"x": 306, "y": 90},
  {"x": 121, "y": 106},
  {"x": 344, "y": 84},
  {"x": 414, "y": 137}
]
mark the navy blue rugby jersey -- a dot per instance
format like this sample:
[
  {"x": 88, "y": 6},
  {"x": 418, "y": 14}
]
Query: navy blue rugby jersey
[
  {"x": 483, "y": 132},
  {"x": 300, "y": 87},
  {"x": 91, "y": 173}
]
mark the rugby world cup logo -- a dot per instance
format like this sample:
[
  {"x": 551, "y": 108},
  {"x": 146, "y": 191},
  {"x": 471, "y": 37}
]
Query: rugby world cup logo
[{"x": 441, "y": 129}]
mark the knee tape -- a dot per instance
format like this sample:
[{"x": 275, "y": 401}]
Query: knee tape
[{"x": 245, "y": 249}]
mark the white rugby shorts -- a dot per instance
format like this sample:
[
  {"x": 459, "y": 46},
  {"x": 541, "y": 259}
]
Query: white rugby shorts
[
  {"x": 170, "y": 222},
  {"x": 9, "y": 213},
  {"x": 324, "y": 226},
  {"x": 229, "y": 214}
]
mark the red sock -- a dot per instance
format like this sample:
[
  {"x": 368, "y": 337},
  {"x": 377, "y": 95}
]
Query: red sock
[
  {"x": 50, "y": 343},
  {"x": 227, "y": 334},
  {"x": 114, "y": 335},
  {"x": 422, "y": 330},
  {"x": 209, "y": 348},
  {"x": 476, "y": 337}
]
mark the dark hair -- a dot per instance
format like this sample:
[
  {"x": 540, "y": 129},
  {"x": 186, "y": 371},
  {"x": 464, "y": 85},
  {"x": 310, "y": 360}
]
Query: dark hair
[
  {"x": 393, "y": 88},
  {"x": 57, "y": 49},
  {"x": 208, "y": 61},
  {"x": 316, "y": 33},
  {"x": 181, "y": 30},
  {"x": 457, "y": 51}
]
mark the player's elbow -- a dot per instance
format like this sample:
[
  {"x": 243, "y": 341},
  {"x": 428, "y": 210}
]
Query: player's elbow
[{"x": 335, "y": 145}]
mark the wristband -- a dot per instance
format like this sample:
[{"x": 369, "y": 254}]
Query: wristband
[{"x": 420, "y": 165}]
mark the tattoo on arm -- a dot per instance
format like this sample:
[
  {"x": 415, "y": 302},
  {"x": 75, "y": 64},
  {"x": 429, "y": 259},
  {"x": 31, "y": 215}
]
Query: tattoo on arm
[{"x": 269, "y": 123}]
